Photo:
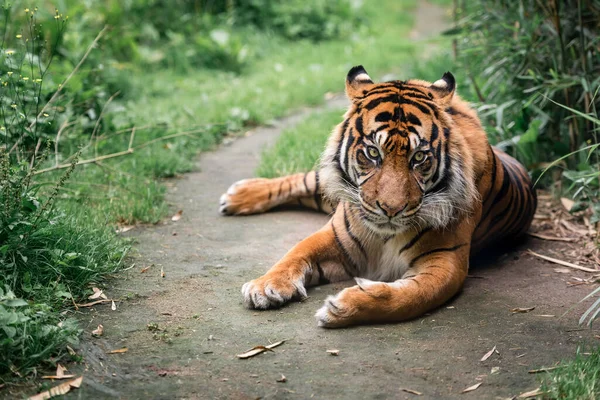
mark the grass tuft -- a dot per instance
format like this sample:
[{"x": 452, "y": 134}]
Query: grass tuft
[
  {"x": 298, "y": 149},
  {"x": 578, "y": 379}
]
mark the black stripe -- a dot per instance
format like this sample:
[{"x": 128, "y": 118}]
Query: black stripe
[
  {"x": 354, "y": 238},
  {"x": 434, "y": 132},
  {"x": 344, "y": 253},
  {"x": 414, "y": 240},
  {"x": 383, "y": 116},
  {"x": 424, "y": 107},
  {"x": 317, "y": 196},
  {"x": 351, "y": 141},
  {"x": 493, "y": 179},
  {"x": 439, "y": 250},
  {"x": 500, "y": 194},
  {"x": 386, "y": 99},
  {"x": 305, "y": 185},
  {"x": 358, "y": 125},
  {"x": 413, "y": 119},
  {"x": 279, "y": 191},
  {"x": 322, "y": 279}
]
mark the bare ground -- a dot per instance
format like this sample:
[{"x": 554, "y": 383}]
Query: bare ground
[{"x": 197, "y": 307}]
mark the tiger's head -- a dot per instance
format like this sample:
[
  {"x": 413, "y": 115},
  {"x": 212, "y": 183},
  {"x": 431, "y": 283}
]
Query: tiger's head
[{"x": 398, "y": 157}]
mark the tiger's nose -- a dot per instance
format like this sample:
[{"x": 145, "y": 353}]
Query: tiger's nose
[{"x": 391, "y": 210}]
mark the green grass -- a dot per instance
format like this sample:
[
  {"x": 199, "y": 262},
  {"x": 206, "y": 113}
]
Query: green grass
[
  {"x": 285, "y": 76},
  {"x": 298, "y": 149},
  {"x": 578, "y": 379}
]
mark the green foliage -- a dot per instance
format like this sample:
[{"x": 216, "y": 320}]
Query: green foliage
[
  {"x": 578, "y": 379},
  {"x": 535, "y": 67},
  {"x": 529, "y": 57},
  {"x": 31, "y": 334},
  {"x": 300, "y": 19}
]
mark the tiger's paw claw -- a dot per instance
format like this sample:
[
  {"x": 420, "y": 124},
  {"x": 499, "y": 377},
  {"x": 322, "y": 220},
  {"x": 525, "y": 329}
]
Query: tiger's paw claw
[
  {"x": 248, "y": 196},
  {"x": 265, "y": 293}
]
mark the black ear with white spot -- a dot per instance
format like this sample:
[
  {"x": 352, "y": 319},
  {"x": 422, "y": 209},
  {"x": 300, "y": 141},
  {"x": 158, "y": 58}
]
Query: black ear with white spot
[
  {"x": 357, "y": 82},
  {"x": 443, "y": 89}
]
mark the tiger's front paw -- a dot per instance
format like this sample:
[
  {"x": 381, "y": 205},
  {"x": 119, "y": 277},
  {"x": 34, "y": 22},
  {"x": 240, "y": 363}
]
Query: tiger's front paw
[
  {"x": 248, "y": 196},
  {"x": 272, "y": 291},
  {"x": 358, "y": 304}
]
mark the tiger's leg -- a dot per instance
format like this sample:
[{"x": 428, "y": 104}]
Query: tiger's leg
[
  {"x": 313, "y": 261},
  {"x": 433, "y": 278},
  {"x": 253, "y": 196}
]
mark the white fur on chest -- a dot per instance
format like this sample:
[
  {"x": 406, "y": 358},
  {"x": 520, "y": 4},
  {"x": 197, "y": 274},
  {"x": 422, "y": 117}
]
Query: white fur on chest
[{"x": 386, "y": 264}]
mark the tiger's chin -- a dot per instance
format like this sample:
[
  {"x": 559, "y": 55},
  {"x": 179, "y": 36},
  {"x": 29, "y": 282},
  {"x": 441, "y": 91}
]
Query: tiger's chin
[{"x": 389, "y": 228}]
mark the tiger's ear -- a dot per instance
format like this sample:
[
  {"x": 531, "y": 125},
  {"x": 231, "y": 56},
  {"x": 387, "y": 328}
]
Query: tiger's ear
[
  {"x": 357, "y": 81},
  {"x": 443, "y": 89}
]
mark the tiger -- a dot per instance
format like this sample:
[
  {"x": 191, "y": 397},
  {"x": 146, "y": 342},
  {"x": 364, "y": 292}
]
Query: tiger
[{"x": 414, "y": 190}]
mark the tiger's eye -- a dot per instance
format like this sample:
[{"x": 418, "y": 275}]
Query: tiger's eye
[
  {"x": 419, "y": 156},
  {"x": 373, "y": 152}
]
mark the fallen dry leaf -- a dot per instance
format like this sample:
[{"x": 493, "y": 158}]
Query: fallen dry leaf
[
  {"x": 561, "y": 270},
  {"x": 333, "y": 352},
  {"x": 411, "y": 391},
  {"x": 118, "y": 351},
  {"x": 61, "y": 389},
  {"x": 162, "y": 273},
  {"x": 551, "y": 238},
  {"x": 537, "y": 371},
  {"x": 259, "y": 349},
  {"x": 282, "y": 379},
  {"x": 97, "y": 294},
  {"x": 471, "y": 388},
  {"x": 124, "y": 228},
  {"x": 531, "y": 393},
  {"x": 177, "y": 216},
  {"x": 519, "y": 310},
  {"x": 71, "y": 351},
  {"x": 567, "y": 203},
  {"x": 113, "y": 306},
  {"x": 98, "y": 331},
  {"x": 146, "y": 268},
  {"x": 488, "y": 355},
  {"x": 93, "y": 303},
  {"x": 564, "y": 263},
  {"x": 495, "y": 370},
  {"x": 60, "y": 374}
]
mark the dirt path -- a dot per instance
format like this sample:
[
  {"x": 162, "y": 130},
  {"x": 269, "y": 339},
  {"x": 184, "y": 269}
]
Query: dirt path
[{"x": 206, "y": 258}]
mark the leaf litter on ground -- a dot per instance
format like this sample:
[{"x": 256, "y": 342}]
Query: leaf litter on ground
[
  {"x": 98, "y": 331},
  {"x": 471, "y": 388},
  {"x": 59, "y": 390},
  {"x": 60, "y": 373},
  {"x": 259, "y": 349},
  {"x": 411, "y": 391},
  {"x": 93, "y": 303},
  {"x": 520, "y": 310},
  {"x": 531, "y": 393},
  {"x": 177, "y": 216},
  {"x": 118, "y": 351},
  {"x": 488, "y": 354},
  {"x": 97, "y": 294}
]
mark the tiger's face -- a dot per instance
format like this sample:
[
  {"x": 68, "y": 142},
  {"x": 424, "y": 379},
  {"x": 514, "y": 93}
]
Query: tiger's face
[{"x": 392, "y": 157}]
